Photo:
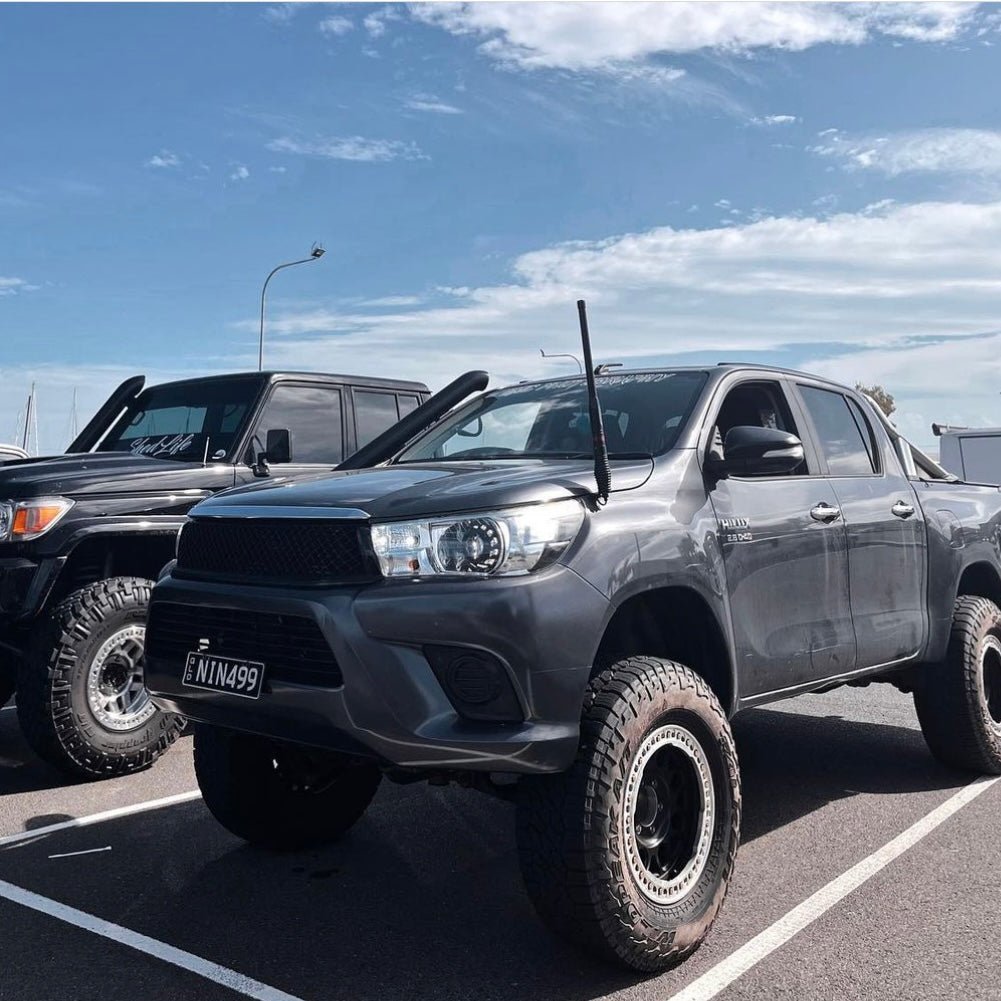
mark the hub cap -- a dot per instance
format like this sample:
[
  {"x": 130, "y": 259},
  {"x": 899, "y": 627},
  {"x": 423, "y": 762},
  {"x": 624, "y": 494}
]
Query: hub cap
[
  {"x": 116, "y": 692},
  {"x": 669, "y": 814},
  {"x": 990, "y": 660}
]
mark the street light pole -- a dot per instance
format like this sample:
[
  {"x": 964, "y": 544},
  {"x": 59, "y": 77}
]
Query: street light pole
[{"x": 314, "y": 255}]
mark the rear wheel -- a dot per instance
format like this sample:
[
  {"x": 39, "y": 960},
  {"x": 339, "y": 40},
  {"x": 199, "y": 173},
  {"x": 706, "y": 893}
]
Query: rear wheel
[
  {"x": 280, "y": 795},
  {"x": 959, "y": 700},
  {"x": 82, "y": 702},
  {"x": 629, "y": 853}
]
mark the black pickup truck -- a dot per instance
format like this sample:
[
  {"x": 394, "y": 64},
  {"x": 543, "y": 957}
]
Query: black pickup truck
[
  {"x": 475, "y": 611},
  {"x": 83, "y": 536}
]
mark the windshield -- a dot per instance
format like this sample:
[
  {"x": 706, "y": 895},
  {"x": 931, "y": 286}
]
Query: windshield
[
  {"x": 184, "y": 421},
  {"x": 643, "y": 414}
]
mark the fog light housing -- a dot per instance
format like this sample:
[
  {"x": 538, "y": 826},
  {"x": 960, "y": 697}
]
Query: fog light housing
[{"x": 476, "y": 683}]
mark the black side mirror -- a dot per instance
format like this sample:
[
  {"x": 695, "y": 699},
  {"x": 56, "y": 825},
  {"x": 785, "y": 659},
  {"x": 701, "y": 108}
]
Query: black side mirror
[
  {"x": 757, "y": 451},
  {"x": 277, "y": 448},
  {"x": 278, "y": 445}
]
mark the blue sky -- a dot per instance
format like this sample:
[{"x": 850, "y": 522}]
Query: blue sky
[{"x": 815, "y": 185}]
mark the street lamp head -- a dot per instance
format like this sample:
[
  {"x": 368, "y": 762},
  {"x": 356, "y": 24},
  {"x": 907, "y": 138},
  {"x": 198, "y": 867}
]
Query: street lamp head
[{"x": 317, "y": 251}]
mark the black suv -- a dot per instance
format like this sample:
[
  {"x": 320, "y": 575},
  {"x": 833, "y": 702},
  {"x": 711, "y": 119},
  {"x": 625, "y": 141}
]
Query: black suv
[
  {"x": 83, "y": 536},
  {"x": 477, "y": 611}
]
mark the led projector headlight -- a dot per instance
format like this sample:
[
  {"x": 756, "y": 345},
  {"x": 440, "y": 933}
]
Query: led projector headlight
[{"x": 492, "y": 544}]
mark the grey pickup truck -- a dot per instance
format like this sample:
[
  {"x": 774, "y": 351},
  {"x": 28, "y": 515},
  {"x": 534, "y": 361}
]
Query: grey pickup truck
[{"x": 475, "y": 610}]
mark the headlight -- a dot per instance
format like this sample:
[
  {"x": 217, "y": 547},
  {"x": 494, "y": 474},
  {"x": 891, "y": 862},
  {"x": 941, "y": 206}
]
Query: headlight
[
  {"x": 21, "y": 521},
  {"x": 497, "y": 543}
]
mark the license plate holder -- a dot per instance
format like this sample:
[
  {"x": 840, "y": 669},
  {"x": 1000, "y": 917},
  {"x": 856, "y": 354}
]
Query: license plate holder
[{"x": 230, "y": 675}]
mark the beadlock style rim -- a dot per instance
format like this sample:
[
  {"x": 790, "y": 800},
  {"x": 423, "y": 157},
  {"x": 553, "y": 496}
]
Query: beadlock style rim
[
  {"x": 669, "y": 815},
  {"x": 990, "y": 670},
  {"x": 116, "y": 690}
]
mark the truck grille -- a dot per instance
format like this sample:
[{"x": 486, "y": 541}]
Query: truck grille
[
  {"x": 277, "y": 550},
  {"x": 291, "y": 647}
]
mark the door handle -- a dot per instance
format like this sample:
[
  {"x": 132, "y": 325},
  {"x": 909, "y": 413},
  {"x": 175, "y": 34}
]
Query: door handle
[
  {"x": 825, "y": 512},
  {"x": 902, "y": 509}
]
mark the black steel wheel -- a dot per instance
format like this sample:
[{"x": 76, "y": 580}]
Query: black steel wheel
[{"x": 629, "y": 853}]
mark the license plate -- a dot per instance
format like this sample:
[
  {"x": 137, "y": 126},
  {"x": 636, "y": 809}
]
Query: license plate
[{"x": 223, "y": 674}]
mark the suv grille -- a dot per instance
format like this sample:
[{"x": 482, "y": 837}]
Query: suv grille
[
  {"x": 291, "y": 647},
  {"x": 285, "y": 550}
]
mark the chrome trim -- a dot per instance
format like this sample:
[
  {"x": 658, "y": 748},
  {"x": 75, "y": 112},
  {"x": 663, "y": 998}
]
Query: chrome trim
[{"x": 279, "y": 511}]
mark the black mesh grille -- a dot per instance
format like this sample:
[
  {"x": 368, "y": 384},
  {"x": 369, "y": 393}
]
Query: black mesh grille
[
  {"x": 291, "y": 647},
  {"x": 286, "y": 550}
]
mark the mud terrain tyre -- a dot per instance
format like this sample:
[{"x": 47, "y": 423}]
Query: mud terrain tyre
[
  {"x": 629, "y": 853},
  {"x": 277, "y": 795},
  {"x": 959, "y": 700},
  {"x": 81, "y": 701}
]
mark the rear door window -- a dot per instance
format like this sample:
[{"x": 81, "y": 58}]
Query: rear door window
[
  {"x": 843, "y": 434},
  {"x": 374, "y": 412}
]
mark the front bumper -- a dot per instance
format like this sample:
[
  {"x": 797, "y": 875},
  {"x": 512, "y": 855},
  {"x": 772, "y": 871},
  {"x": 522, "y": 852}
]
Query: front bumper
[{"x": 542, "y": 630}]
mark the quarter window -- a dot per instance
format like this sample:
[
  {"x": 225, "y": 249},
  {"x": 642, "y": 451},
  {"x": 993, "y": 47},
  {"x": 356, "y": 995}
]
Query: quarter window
[{"x": 840, "y": 433}]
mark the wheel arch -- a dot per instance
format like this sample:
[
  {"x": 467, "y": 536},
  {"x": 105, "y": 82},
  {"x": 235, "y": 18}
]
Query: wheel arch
[
  {"x": 676, "y": 622},
  {"x": 981, "y": 580},
  {"x": 102, "y": 555}
]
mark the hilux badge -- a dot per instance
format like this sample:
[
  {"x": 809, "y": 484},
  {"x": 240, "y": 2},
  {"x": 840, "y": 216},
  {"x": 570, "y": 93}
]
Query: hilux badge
[{"x": 735, "y": 530}]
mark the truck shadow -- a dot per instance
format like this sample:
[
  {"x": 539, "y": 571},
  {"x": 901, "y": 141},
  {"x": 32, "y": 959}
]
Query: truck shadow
[{"x": 423, "y": 898}]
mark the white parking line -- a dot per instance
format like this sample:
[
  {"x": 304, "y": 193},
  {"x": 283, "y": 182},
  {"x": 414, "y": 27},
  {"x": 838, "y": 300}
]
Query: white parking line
[
  {"x": 97, "y": 818},
  {"x": 758, "y": 948},
  {"x": 86, "y": 851},
  {"x": 143, "y": 943}
]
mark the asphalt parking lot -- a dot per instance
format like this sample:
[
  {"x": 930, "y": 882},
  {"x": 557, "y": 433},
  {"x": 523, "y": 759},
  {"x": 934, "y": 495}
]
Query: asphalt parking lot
[{"x": 423, "y": 898}]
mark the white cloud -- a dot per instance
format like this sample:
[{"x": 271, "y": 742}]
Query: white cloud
[
  {"x": 164, "y": 159},
  {"x": 375, "y": 23},
  {"x": 277, "y": 170},
  {"x": 959, "y": 151},
  {"x": 601, "y": 36},
  {"x": 14, "y": 286},
  {"x": 239, "y": 173},
  {"x": 281, "y": 13},
  {"x": 430, "y": 103},
  {"x": 336, "y": 25},
  {"x": 880, "y": 279},
  {"x": 774, "y": 120},
  {"x": 356, "y": 148}
]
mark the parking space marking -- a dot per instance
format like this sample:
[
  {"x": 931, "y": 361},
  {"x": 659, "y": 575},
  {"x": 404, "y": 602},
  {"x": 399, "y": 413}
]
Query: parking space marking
[
  {"x": 97, "y": 818},
  {"x": 758, "y": 948},
  {"x": 142, "y": 943},
  {"x": 86, "y": 851}
]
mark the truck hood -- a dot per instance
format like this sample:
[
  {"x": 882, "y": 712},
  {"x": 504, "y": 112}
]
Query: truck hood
[
  {"x": 405, "y": 491},
  {"x": 105, "y": 473}
]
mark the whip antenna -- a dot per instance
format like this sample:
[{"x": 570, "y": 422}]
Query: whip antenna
[{"x": 602, "y": 469}]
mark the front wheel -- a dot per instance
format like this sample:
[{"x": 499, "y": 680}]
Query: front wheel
[
  {"x": 279, "y": 795},
  {"x": 629, "y": 853},
  {"x": 81, "y": 699},
  {"x": 959, "y": 700}
]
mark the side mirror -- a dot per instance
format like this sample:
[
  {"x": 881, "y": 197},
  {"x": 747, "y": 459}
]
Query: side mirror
[
  {"x": 278, "y": 445},
  {"x": 757, "y": 451},
  {"x": 277, "y": 448}
]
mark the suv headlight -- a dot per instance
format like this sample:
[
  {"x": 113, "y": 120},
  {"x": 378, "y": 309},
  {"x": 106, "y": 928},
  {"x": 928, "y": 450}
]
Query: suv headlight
[
  {"x": 21, "y": 521},
  {"x": 495, "y": 543}
]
